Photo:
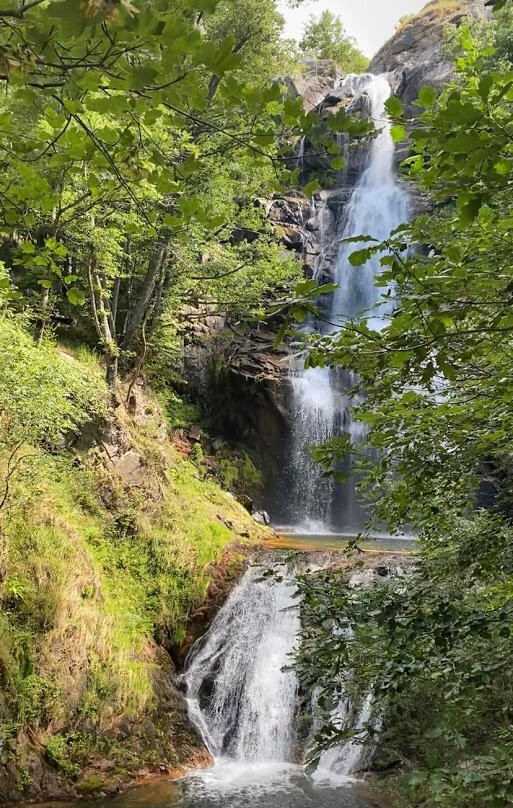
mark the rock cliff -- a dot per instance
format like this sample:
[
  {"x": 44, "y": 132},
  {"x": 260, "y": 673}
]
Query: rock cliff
[
  {"x": 245, "y": 366},
  {"x": 414, "y": 54}
]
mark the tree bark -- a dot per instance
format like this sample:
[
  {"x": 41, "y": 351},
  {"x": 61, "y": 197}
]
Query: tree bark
[
  {"x": 111, "y": 362},
  {"x": 142, "y": 302},
  {"x": 102, "y": 316}
]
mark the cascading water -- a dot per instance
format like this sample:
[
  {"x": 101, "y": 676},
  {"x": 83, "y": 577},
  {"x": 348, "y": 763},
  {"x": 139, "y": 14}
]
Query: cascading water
[
  {"x": 243, "y": 697},
  {"x": 242, "y": 693},
  {"x": 320, "y": 403}
]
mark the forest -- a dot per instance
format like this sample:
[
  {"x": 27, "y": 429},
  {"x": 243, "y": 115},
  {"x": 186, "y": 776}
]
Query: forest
[{"x": 254, "y": 301}]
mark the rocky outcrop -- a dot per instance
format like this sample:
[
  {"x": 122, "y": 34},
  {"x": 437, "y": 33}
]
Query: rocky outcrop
[
  {"x": 313, "y": 84},
  {"x": 414, "y": 55},
  {"x": 237, "y": 377}
]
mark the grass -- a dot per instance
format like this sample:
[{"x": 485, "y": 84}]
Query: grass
[
  {"x": 92, "y": 575},
  {"x": 437, "y": 8}
]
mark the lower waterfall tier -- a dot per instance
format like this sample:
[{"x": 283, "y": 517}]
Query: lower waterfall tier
[{"x": 244, "y": 696}]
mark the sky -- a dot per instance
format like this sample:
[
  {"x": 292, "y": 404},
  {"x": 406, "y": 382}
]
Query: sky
[{"x": 370, "y": 22}]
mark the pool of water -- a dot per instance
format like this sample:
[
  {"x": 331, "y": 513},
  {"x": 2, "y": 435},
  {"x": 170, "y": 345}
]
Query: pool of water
[
  {"x": 331, "y": 541},
  {"x": 236, "y": 785}
]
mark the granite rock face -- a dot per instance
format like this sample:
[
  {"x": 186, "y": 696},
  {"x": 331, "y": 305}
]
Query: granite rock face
[{"x": 414, "y": 55}]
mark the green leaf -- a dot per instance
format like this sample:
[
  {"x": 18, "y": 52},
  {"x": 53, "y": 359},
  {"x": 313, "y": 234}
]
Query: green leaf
[
  {"x": 458, "y": 112},
  {"x": 70, "y": 16},
  {"x": 338, "y": 164},
  {"x": 398, "y": 133},
  {"x": 75, "y": 296},
  {"x": 143, "y": 76},
  {"x": 339, "y": 121},
  {"x": 206, "y": 6},
  {"x": 394, "y": 107},
  {"x": 469, "y": 207},
  {"x": 360, "y": 257},
  {"x": 311, "y": 187},
  {"x": 464, "y": 143},
  {"x": 485, "y": 86},
  {"x": 427, "y": 97},
  {"x": 280, "y": 336},
  {"x": 503, "y": 167},
  {"x": 326, "y": 288}
]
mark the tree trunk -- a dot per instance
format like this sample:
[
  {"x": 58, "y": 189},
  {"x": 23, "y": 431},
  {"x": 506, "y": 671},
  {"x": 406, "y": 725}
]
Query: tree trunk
[
  {"x": 111, "y": 362},
  {"x": 142, "y": 301}
]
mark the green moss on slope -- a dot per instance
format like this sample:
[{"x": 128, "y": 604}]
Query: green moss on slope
[{"x": 95, "y": 572}]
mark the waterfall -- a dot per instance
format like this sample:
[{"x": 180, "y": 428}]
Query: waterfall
[
  {"x": 320, "y": 402},
  {"x": 240, "y": 694},
  {"x": 243, "y": 695},
  {"x": 351, "y": 757}
]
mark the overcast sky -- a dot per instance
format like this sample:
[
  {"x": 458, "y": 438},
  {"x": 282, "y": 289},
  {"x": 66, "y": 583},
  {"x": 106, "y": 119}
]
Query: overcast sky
[{"x": 370, "y": 22}]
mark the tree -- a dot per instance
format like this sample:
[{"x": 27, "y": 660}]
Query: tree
[
  {"x": 112, "y": 118},
  {"x": 325, "y": 38},
  {"x": 437, "y": 386}
]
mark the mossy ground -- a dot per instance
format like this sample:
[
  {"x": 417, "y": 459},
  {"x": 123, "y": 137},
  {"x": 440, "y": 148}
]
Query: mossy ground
[{"x": 96, "y": 578}]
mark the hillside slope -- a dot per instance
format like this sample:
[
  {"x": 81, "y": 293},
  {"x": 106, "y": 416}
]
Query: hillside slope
[{"x": 108, "y": 533}]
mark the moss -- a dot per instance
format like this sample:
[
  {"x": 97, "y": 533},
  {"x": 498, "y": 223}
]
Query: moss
[
  {"x": 238, "y": 473},
  {"x": 179, "y": 413},
  {"x": 57, "y": 753},
  {"x": 436, "y": 9},
  {"x": 91, "y": 784},
  {"x": 92, "y": 574},
  {"x": 251, "y": 477},
  {"x": 228, "y": 472}
]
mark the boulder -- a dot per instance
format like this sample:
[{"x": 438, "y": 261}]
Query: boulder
[
  {"x": 130, "y": 467},
  {"x": 262, "y": 518},
  {"x": 195, "y": 434}
]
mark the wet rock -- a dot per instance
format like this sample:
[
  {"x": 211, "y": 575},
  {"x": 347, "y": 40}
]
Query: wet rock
[
  {"x": 290, "y": 210},
  {"x": 293, "y": 238},
  {"x": 195, "y": 434},
  {"x": 262, "y": 518}
]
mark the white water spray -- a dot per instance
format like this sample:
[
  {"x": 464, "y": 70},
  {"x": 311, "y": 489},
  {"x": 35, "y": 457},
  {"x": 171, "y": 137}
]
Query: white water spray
[{"x": 243, "y": 694}]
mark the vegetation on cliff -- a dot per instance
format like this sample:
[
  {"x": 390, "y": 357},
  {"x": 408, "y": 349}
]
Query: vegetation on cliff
[
  {"x": 105, "y": 554},
  {"x": 434, "y": 647}
]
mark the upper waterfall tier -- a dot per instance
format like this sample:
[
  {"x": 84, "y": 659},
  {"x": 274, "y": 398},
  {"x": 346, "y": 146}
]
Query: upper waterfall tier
[
  {"x": 377, "y": 206},
  {"x": 320, "y": 402}
]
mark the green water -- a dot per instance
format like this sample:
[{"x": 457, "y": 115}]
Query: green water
[{"x": 239, "y": 786}]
